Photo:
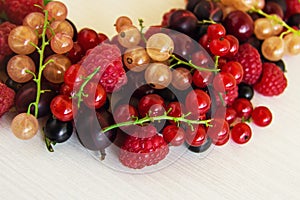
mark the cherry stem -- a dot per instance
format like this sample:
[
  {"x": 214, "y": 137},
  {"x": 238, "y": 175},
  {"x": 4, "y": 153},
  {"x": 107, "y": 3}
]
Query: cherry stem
[
  {"x": 165, "y": 116},
  {"x": 207, "y": 21},
  {"x": 80, "y": 94},
  {"x": 189, "y": 63},
  {"x": 276, "y": 19},
  {"x": 37, "y": 79}
]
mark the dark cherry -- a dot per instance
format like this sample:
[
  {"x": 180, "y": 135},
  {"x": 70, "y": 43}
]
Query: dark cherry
[
  {"x": 282, "y": 4},
  {"x": 273, "y": 8},
  {"x": 203, "y": 9},
  {"x": 239, "y": 24},
  {"x": 76, "y": 53},
  {"x": 294, "y": 20},
  {"x": 183, "y": 21},
  {"x": 245, "y": 91},
  {"x": 87, "y": 38}
]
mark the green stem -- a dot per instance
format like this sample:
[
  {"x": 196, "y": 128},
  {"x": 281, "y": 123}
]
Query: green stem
[
  {"x": 182, "y": 62},
  {"x": 157, "y": 118},
  {"x": 80, "y": 94},
  {"x": 276, "y": 19},
  {"x": 142, "y": 29}
]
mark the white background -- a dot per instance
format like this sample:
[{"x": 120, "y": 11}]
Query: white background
[{"x": 268, "y": 167}]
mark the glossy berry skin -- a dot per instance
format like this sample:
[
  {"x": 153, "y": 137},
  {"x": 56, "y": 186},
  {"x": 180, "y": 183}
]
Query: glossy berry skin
[
  {"x": 224, "y": 81},
  {"x": 75, "y": 75},
  {"x": 230, "y": 115},
  {"x": 58, "y": 131},
  {"x": 175, "y": 109},
  {"x": 245, "y": 91},
  {"x": 219, "y": 47},
  {"x": 197, "y": 102},
  {"x": 235, "y": 69},
  {"x": 96, "y": 95},
  {"x": 87, "y": 38},
  {"x": 219, "y": 130},
  {"x": 216, "y": 31},
  {"x": 124, "y": 112},
  {"x": 173, "y": 135},
  {"x": 261, "y": 116},
  {"x": 76, "y": 53},
  {"x": 196, "y": 137},
  {"x": 152, "y": 103},
  {"x": 241, "y": 133},
  {"x": 202, "y": 78},
  {"x": 234, "y": 45},
  {"x": 61, "y": 108},
  {"x": 243, "y": 108},
  {"x": 183, "y": 21}
]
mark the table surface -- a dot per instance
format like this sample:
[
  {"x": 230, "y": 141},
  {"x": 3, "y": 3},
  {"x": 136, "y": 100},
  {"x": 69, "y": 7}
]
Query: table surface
[{"x": 268, "y": 167}]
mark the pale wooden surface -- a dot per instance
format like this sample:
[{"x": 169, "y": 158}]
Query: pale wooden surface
[{"x": 266, "y": 168}]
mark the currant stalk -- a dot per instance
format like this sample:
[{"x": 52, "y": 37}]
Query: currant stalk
[
  {"x": 165, "y": 116},
  {"x": 37, "y": 79},
  {"x": 189, "y": 63},
  {"x": 80, "y": 94}
]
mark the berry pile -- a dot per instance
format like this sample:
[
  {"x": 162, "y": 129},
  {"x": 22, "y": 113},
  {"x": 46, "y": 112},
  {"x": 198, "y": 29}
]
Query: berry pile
[{"x": 187, "y": 82}]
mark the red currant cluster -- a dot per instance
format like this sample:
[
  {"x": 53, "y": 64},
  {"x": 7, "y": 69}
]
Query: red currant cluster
[{"x": 144, "y": 90}]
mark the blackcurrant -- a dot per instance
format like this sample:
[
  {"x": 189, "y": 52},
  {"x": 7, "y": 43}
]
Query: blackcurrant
[{"x": 245, "y": 91}]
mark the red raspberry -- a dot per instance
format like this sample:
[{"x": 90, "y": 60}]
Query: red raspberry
[
  {"x": 273, "y": 81},
  {"x": 144, "y": 148},
  {"x": 229, "y": 97},
  {"x": 7, "y": 96},
  {"x": 108, "y": 57},
  {"x": 250, "y": 60},
  {"x": 5, "y": 29},
  {"x": 16, "y": 10}
]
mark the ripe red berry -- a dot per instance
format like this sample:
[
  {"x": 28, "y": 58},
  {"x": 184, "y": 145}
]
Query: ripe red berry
[
  {"x": 241, "y": 133},
  {"x": 261, "y": 116},
  {"x": 219, "y": 47},
  {"x": 216, "y": 31},
  {"x": 202, "y": 78},
  {"x": 230, "y": 115},
  {"x": 61, "y": 108},
  {"x": 243, "y": 108},
  {"x": 219, "y": 130},
  {"x": 87, "y": 38},
  {"x": 235, "y": 69},
  {"x": 224, "y": 81},
  {"x": 173, "y": 135},
  {"x": 151, "y": 104},
  {"x": 197, "y": 102},
  {"x": 196, "y": 136},
  {"x": 234, "y": 45}
]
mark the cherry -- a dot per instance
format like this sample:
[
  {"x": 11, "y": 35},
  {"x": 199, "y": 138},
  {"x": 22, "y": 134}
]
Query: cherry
[
  {"x": 183, "y": 21},
  {"x": 261, "y": 116},
  {"x": 76, "y": 53},
  {"x": 173, "y": 135},
  {"x": 241, "y": 133},
  {"x": 216, "y": 31},
  {"x": 195, "y": 137},
  {"x": 235, "y": 69},
  {"x": 87, "y": 38},
  {"x": 61, "y": 108},
  {"x": 102, "y": 37},
  {"x": 151, "y": 103},
  {"x": 219, "y": 47},
  {"x": 96, "y": 95},
  {"x": 243, "y": 108},
  {"x": 234, "y": 45},
  {"x": 230, "y": 115},
  {"x": 197, "y": 102}
]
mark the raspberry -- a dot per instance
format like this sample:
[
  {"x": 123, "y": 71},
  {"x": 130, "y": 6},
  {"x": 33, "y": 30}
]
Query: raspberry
[
  {"x": 16, "y": 10},
  {"x": 144, "y": 148},
  {"x": 108, "y": 57},
  {"x": 293, "y": 6},
  {"x": 7, "y": 96},
  {"x": 250, "y": 60},
  {"x": 272, "y": 82},
  {"x": 231, "y": 95},
  {"x": 5, "y": 29}
]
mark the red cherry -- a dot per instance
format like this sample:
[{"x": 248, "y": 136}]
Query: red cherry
[
  {"x": 235, "y": 69},
  {"x": 152, "y": 103},
  {"x": 61, "y": 108},
  {"x": 243, "y": 108},
  {"x": 196, "y": 137},
  {"x": 241, "y": 133},
  {"x": 234, "y": 46},
  {"x": 219, "y": 47},
  {"x": 173, "y": 135},
  {"x": 230, "y": 115},
  {"x": 216, "y": 31},
  {"x": 96, "y": 95},
  {"x": 87, "y": 38},
  {"x": 197, "y": 102},
  {"x": 76, "y": 53},
  {"x": 261, "y": 116},
  {"x": 202, "y": 78},
  {"x": 102, "y": 37}
]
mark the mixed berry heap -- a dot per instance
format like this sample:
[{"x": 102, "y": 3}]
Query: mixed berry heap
[{"x": 187, "y": 82}]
